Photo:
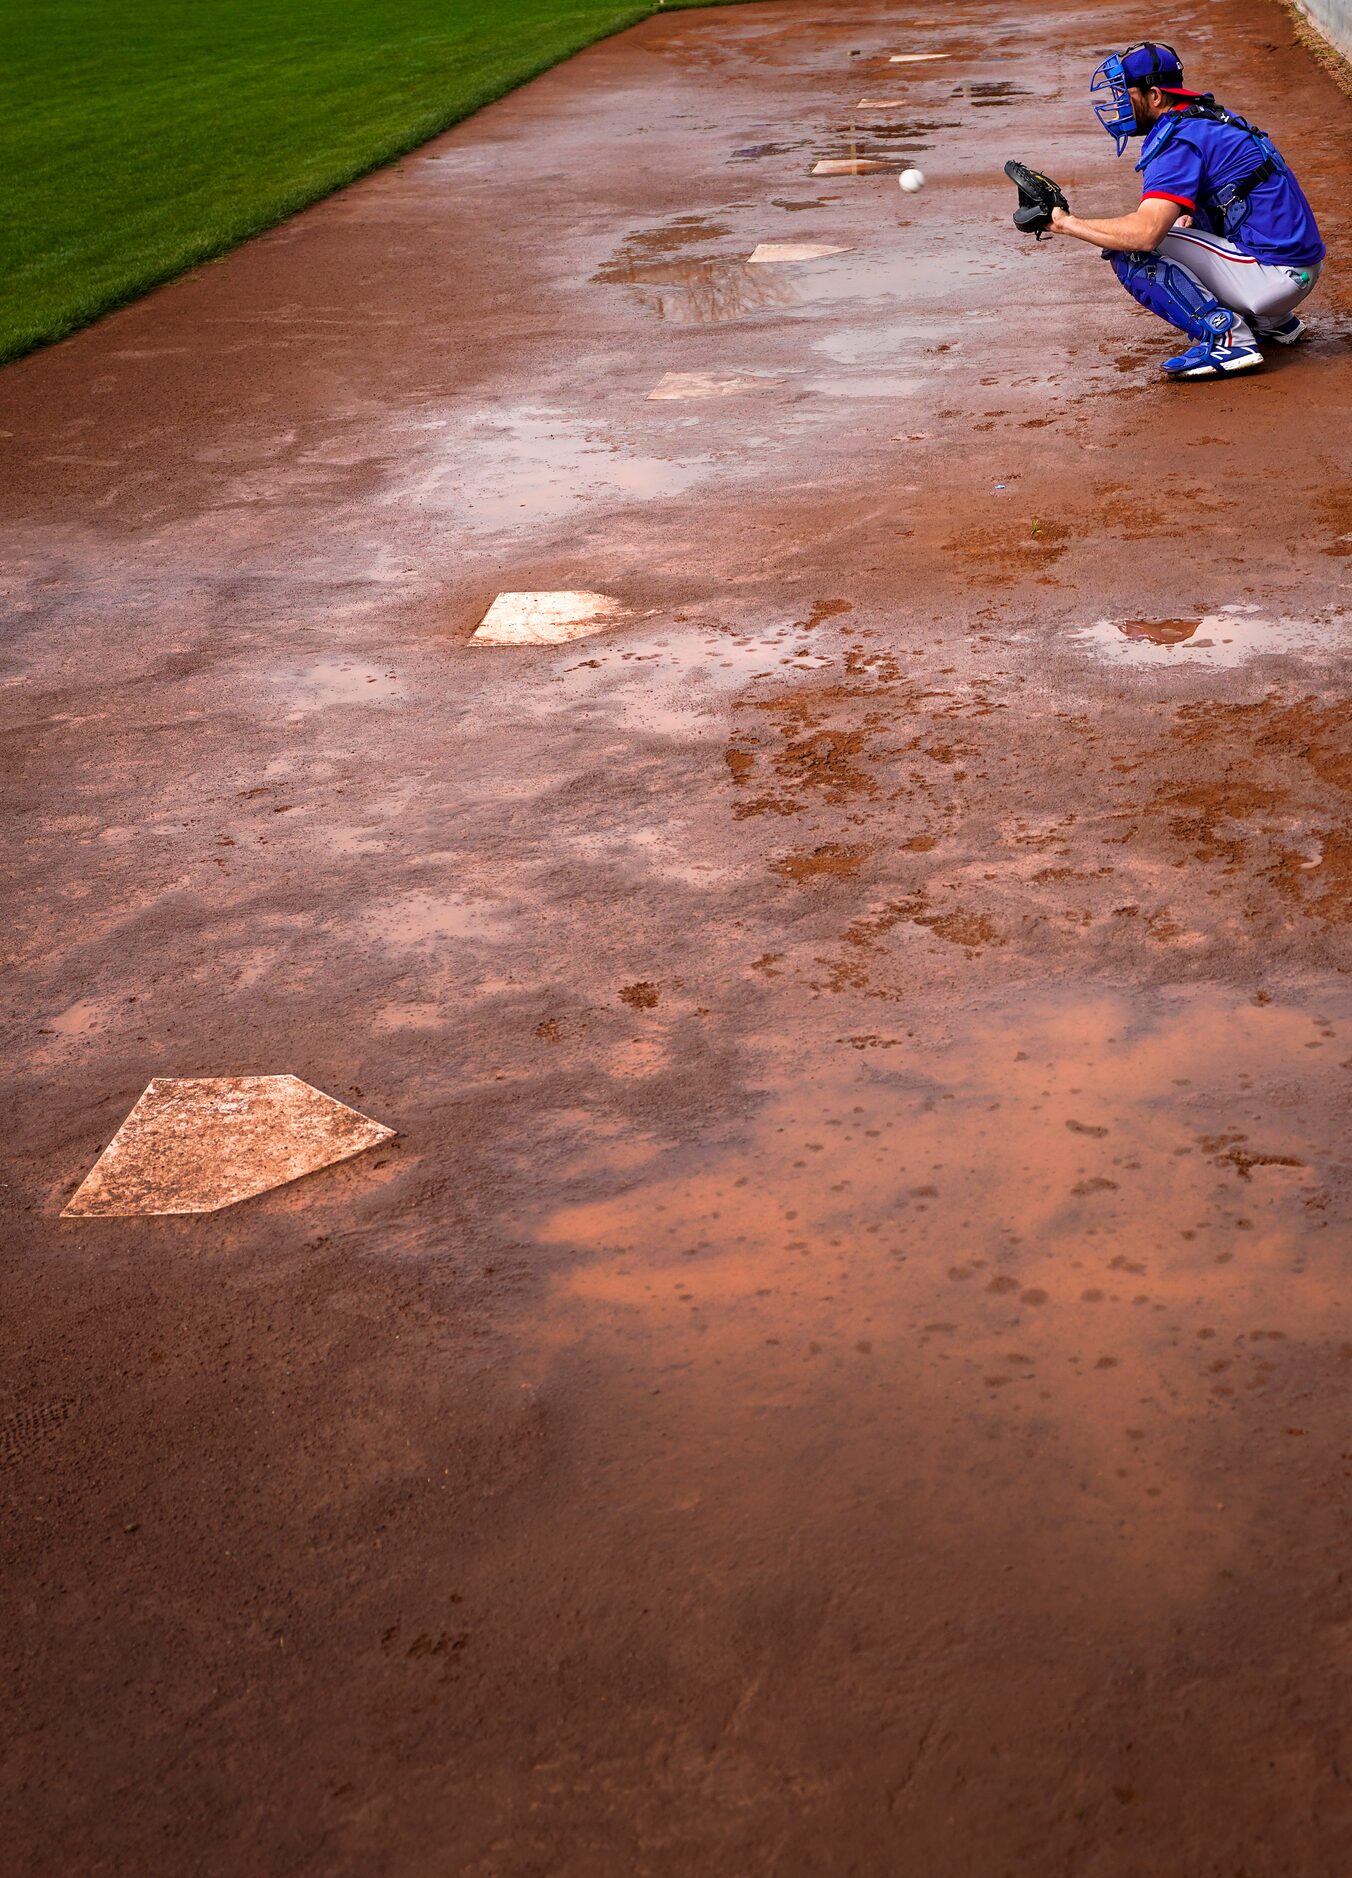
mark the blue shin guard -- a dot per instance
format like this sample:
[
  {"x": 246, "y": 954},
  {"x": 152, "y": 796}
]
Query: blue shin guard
[
  {"x": 1173, "y": 293},
  {"x": 1224, "y": 342}
]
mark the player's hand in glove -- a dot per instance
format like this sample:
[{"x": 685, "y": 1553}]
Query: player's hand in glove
[{"x": 1038, "y": 196}]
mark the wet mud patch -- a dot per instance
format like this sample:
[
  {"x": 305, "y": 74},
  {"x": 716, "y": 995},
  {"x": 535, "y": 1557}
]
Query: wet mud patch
[
  {"x": 1334, "y": 510},
  {"x": 1002, "y": 556},
  {"x": 789, "y": 749},
  {"x": 808, "y": 759},
  {"x": 1188, "y": 854},
  {"x": 1271, "y": 803},
  {"x": 833, "y": 860},
  {"x": 823, "y": 610},
  {"x": 973, "y": 932}
]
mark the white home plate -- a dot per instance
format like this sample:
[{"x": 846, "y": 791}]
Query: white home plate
[
  {"x": 883, "y": 104},
  {"x": 848, "y": 166},
  {"x": 915, "y": 58},
  {"x": 195, "y": 1144},
  {"x": 793, "y": 251},
  {"x": 704, "y": 385},
  {"x": 546, "y": 619}
]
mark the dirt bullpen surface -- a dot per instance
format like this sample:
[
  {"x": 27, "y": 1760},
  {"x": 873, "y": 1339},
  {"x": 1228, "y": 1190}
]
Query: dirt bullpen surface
[{"x": 844, "y": 1368}]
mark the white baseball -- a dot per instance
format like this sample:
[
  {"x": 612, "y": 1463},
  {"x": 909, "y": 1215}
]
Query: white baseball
[{"x": 911, "y": 180}]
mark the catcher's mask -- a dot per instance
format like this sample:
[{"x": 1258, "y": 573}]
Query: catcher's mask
[{"x": 1143, "y": 66}]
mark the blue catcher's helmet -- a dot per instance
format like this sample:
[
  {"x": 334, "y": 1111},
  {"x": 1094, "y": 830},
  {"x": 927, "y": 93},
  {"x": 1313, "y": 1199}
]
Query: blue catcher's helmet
[{"x": 1143, "y": 66}]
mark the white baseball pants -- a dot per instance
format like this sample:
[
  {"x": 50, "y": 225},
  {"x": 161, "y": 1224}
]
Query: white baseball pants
[{"x": 1263, "y": 293}]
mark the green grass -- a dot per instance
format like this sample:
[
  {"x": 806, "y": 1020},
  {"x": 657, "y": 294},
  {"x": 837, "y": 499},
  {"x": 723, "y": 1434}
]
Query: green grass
[{"x": 139, "y": 137}]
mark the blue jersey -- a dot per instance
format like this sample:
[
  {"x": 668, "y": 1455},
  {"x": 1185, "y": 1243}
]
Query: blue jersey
[{"x": 1197, "y": 162}]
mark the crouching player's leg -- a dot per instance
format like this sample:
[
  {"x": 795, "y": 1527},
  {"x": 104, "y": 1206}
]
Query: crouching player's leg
[
  {"x": 1268, "y": 294},
  {"x": 1225, "y": 342}
]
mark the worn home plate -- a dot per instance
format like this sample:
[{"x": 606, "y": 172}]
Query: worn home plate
[
  {"x": 915, "y": 58},
  {"x": 884, "y": 104},
  {"x": 793, "y": 251},
  {"x": 848, "y": 166},
  {"x": 194, "y": 1144},
  {"x": 704, "y": 385},
  {"x": 546, "y": 619}
]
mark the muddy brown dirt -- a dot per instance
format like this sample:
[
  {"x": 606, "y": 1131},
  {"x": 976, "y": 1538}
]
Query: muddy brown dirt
[{"x": 844, "y": 1369}]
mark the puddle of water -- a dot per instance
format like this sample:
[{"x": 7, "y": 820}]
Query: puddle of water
[
  {"x": 861, "y": 385},
  {"x": 1159, "y": 632},
  {"x": 425, "y": 918},
  {"x": 646, "y": 244},
  {"x": 706, "y": 292},
  {"x": 331, "y": 682},
  {"x": 993, "y": 94},
  {"x": 1227, "y": 638},
  {"x": 518, "y": 466},
  {"x": 886, "y": 339},
  {"x": 1085, "y": 1227},
  {"x": 898, "y": 274}
]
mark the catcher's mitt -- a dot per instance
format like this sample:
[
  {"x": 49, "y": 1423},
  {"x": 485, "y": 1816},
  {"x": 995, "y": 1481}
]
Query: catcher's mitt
[{"x": 1038, "y": 196}]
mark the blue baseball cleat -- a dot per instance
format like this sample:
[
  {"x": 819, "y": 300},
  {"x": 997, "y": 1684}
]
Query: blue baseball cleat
[
  {"x": 1286, "y": 334},
  {"x": 1214, "y": 358}
]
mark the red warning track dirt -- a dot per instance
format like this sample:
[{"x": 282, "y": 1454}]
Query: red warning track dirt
[{"x": 845, "y": 1366}]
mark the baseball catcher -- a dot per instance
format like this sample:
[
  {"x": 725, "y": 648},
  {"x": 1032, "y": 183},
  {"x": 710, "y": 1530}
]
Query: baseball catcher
[{"x": 1223, "y": 244}]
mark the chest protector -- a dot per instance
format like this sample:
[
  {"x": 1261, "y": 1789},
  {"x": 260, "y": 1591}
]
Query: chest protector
[{"x": 1226, "y": 209}]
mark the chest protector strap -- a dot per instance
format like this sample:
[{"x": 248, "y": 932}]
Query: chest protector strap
[{"x": 1227, "y": 208}]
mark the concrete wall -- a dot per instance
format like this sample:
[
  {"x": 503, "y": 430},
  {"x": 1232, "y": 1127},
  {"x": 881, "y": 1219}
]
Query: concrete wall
[{"x": 1334, "y": 20}]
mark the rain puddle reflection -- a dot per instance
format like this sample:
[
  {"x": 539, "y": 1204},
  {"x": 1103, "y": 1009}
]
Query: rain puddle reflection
[
  {"x": 1230, "y": 637},
  {"x": 501, "y": 468},
  {"x": 1059, "y": 1214},
  {"x": 1026, "y": 1289},
  {"x": 700, "y": 292}
]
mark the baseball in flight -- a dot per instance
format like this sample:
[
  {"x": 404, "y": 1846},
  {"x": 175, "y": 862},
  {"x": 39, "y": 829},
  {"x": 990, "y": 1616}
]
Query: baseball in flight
[{"x": 911, "y": 180}]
